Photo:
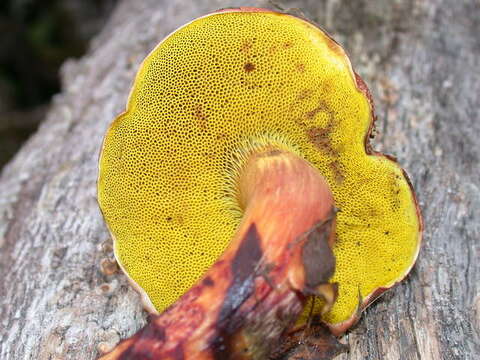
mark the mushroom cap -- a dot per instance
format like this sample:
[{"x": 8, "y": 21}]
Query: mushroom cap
[{"x": 206, "y": 97}]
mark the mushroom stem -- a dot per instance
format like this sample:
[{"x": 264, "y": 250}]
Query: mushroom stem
[{"x": 280, "y": 254}]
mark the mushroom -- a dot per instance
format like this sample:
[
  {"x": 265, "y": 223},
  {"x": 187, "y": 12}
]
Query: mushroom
[
  {"x": 218, "y": 92},
  {"x": 258, "y": 287}
]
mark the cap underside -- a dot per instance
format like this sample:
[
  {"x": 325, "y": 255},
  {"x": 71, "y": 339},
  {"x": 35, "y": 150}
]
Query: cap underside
[{"x": 209, "y": 93}]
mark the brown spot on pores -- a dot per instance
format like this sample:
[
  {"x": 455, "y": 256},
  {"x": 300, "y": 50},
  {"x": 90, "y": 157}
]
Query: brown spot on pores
[
  {"x": 249, "y": 67},
  {"x": 319, "y": 137},
  {"x": 300, "y": 67},
  {"x": 302, "y": 95},
  {"x": 200, "y": 116},
  {"x": 338, "y": 172},
  {"x": 273, "y": 49},
  {"x": 246, "y": 46},
  {"x": 321, "y": 107},
  {"x": 222, "y": 136},
  {"x": 305, "y": 94}
]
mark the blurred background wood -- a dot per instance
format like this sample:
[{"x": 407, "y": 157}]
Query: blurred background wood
[
  {"x": 421, "y": 60},
  {"x": 36, "y": 38}
]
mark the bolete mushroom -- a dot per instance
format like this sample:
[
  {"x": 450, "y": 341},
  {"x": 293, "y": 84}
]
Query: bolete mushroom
[
  {"x": 250, "y": 298},
  {"x": 218, "y": 91}
]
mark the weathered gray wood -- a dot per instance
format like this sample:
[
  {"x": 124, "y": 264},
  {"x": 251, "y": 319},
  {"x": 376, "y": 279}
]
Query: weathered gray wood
[{"x": 421, "y": 60}]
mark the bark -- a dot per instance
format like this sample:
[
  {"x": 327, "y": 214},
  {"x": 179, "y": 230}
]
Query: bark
[{"x": 421, "y": 61}]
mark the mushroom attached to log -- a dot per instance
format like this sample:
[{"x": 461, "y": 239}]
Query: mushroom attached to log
[
  {"x": 215, "y": 94},
  {"x": 255, "y": 292}
]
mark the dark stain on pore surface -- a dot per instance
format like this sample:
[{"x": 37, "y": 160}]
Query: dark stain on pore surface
[
  {"x": 338, "y": 172},
  {"x": 243, "y": 275},
  {"x": 320, "y": 138},
  {"x": 247, "y": 45},
  {"x": 249, "y": 67},
  {"x": 305, "y": 94},
  {"x": 200, "y": 116},
  {"x": 322, "y": 107},
  {"x": 300, "y": 67}
]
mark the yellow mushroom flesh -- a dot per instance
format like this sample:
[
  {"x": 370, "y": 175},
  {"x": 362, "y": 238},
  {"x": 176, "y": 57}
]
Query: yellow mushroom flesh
[{"x": 208, "y": 97}]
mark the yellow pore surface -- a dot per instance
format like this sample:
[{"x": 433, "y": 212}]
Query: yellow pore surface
[{"x": 214, "y": 89}]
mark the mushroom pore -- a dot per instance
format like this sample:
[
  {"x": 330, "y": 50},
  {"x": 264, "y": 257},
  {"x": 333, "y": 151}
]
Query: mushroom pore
[
  {"x": 210, "y": 95},
  {"x": 253, "y": 294}
]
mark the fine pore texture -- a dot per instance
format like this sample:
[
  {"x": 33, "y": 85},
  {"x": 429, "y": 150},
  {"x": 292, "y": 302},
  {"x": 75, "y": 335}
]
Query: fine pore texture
[
  {"x": 420, "y": 60},
  {"x": 256, "y": 290},
  {"x": 169, "y": 165}
]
